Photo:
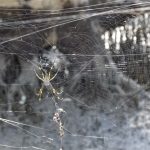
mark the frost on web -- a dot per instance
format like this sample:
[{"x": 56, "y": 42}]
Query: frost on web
[{"x": 77, "y": 78}]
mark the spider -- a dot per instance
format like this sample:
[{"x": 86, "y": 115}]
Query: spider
[{"x": 46, "y": 78}]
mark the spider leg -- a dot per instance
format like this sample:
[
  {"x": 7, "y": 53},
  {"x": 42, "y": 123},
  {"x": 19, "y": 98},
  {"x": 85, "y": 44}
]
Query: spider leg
[
  {"x": 38, "y": 75},
  {"x": 43, "y": 76},
  {"x": 54, "y": 75},
  {"x": 49, "y": 75},
  {"x": 55, "y": 92},
  {"x": 59, "y": 92},
  {"x": 40, "y": 92}
]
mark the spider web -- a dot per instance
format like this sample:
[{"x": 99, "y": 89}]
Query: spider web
[{"x": 101, "y": 53}]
